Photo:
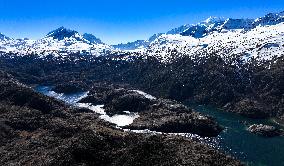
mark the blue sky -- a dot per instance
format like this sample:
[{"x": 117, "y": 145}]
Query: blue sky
[{"x": 116, "y": 21}]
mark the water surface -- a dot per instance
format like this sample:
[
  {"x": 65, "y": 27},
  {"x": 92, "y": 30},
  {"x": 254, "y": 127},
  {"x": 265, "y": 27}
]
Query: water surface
[{"x": 237, "y": 141}]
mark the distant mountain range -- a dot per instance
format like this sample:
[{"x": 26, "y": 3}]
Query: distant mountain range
[
  {"x": 210, "y": 25},
  {"x": 212, "y": 33}
]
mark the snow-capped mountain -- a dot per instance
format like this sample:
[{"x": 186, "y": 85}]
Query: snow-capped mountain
[
  {"x": 62, "y": 33},
  {"x": 201, "y": 29},
  {"x": 261, "y": 42},
  {"x": 261, "y": 38},
  {"x": 143, "y": 44},
  {"x": 218, "y": 24},
  {"x": 59, "y": 41},
  {"x": 210, "y": 25},
  {"x": 186, "y": 30}
]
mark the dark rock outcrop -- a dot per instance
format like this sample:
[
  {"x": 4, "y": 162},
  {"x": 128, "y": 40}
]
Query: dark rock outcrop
[
  {"x": 248, "y": 108},
  {"x": 117, "y": 98}
]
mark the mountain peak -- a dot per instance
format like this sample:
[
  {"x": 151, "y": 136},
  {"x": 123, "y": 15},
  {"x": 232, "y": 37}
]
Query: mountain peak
[
  {"x": 213, "y": 19},
  {"x": 61, "y": 33}
]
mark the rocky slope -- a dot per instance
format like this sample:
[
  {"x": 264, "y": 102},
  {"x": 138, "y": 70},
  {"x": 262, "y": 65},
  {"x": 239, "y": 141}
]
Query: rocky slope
[
  {"x": 38, "y": 130},
  {"x": 251, "y": 89}
]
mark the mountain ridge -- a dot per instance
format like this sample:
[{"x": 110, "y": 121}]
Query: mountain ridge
[
  {"x": 211, "y": 24},
  {"x": 66, "y": 40}
]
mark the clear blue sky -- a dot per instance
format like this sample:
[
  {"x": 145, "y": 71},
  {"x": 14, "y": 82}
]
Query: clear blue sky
[{"x": 116, "y": 21}]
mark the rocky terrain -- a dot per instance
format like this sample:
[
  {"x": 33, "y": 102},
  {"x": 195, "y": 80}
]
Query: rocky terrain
[
  {"x": 251, "y": 89},
  {"x": 159, "y": 115},
  {"x": 39, "y": 130}
]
